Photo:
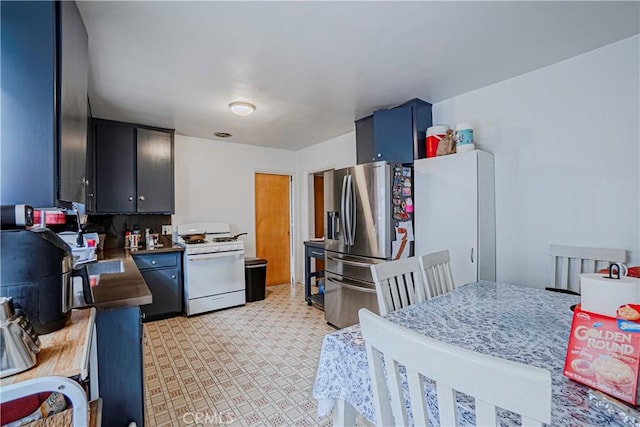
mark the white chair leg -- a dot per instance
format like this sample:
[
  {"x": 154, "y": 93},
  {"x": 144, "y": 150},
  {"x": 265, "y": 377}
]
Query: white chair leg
[{"x": 343, "y": 414}]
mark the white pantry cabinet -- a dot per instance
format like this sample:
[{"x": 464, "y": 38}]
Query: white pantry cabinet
[{"x": 455, "y": 210}]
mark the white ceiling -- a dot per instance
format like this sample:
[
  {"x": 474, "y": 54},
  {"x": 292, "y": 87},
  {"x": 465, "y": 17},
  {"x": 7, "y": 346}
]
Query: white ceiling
[{"x": 312, "y": 68}]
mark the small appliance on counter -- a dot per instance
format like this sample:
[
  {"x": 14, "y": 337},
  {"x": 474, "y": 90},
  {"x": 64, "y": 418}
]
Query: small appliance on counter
[
  {"x": 19, "y": 342},
  {"x": 84, "y": 253},
  {"x": 37, "y": 271},
  {"x": 13, "y": 216}
]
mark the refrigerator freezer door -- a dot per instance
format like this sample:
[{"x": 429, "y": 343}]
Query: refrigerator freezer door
[
  {"x": 343, "y": 299},
  {"x": 354, "y": 267},
  {"x": 369, "y": 204}
]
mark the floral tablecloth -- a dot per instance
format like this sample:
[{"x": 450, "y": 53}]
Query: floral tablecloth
[{"x": 521, "y": 324}]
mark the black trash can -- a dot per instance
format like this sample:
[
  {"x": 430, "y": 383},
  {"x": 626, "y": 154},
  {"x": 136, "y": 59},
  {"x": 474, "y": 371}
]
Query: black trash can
[{"x": 255, "y": 278}]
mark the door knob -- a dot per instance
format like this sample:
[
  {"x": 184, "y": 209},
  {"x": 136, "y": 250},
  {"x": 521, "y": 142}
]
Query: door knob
[{"x": 130, "y": 198}]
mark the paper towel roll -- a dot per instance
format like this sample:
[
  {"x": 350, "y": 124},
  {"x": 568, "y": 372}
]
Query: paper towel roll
[{"x": 602, "y": 295}]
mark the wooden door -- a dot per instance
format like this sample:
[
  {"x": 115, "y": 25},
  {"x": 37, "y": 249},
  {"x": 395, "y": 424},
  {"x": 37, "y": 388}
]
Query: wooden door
[
  {"x": 318, "y": 213},
  {"x": 273, "y": 226},
  {"x": 318, "y": 205}
]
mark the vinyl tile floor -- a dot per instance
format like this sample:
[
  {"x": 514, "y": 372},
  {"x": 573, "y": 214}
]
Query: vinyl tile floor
[{"x": 252, "y": 365}]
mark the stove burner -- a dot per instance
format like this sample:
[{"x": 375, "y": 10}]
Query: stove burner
[
  {"x": 195, "y": 242},
  {"x": 223, "y": 239}
]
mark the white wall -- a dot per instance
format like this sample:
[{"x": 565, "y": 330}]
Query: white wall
[
  {"x": 214, "y": 181},
  {"x": 336, "y": 153},
  {"x": 566, "y": 145}
]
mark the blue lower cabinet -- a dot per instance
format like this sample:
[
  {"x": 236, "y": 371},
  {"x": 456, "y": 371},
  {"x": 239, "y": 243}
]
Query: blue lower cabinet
[
  {"x": 163, "y": 274},
  {"x": 120, "y": 366}
]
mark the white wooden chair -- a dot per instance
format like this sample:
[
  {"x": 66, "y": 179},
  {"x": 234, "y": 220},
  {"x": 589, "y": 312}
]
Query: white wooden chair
[
  {"x": 398, "y": 284},
  {"x": 71, "y": 389},
  {"x": 493, "y": 382},
  {"x": 568, "y": 262},
  {"x": 436, "y": 273}
]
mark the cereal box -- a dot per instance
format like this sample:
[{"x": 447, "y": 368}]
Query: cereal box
[{"x": 604, "y": 352}]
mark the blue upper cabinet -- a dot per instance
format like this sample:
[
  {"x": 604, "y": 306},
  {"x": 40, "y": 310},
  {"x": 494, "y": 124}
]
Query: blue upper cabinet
[
  {"x": 28, "y": 129},
  {"x": 44, "y": 103},
  {"x": 73, "y": 85},
  {"x": 395, "y": 135},
  {"x": 393, "y": 140}
]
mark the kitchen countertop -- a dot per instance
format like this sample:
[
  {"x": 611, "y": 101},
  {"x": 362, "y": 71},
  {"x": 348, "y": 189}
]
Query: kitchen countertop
[{"x": 126, "y": 289}]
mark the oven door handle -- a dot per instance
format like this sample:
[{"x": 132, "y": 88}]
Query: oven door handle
[{"x": 200, "y": 257}]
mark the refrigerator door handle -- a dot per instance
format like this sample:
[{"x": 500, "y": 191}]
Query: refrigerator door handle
[
  {"x": 352, "y": 210},
  {"x": 349, "y": 211},
  {"x": 353, "y": 287},
  {"x": 347, "y": 262},
  {"x": 343, "y": 206},
  {"x": 358, "y": 288}
]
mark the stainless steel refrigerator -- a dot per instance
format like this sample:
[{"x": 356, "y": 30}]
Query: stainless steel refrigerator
[{"x": 369, "y": 220}]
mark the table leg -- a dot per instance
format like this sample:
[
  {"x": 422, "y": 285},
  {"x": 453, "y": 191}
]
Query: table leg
[{"x": 343, "y": 414}]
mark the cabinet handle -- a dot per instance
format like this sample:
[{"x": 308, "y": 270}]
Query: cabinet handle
[
  {"x": 471, "y": 254},
  {"x": 379, "y": 155},
  {"x": 144, "y": 315},
  {"x": 173, "y": 276},
  {"x": 130, "y": 198},
  {"x": 142, "y": 198},
  {"x": 90, "y": 194},
  {"x": 154, "y": 262}
]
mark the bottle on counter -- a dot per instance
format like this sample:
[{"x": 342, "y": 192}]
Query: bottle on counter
[
  {"x": 127, "y": 238},
  {"x": 148, "y": 239}
]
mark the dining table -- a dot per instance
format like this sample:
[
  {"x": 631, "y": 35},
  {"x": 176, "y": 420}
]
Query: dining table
[{"x": 522, "y": 324}]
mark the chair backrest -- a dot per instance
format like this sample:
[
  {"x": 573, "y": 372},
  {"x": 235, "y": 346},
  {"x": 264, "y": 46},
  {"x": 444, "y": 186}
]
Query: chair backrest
[
  {"x": 567, "y": 262},
  {"x": 436, "y": 273},
  {"x": 74, "y": 393},
  {"x": 493, "y": 382},
  {"x": 398, "y": 284}
]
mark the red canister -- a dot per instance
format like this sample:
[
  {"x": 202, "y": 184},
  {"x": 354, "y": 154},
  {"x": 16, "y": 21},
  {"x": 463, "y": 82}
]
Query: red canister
[{"x": 434, "y": 135}]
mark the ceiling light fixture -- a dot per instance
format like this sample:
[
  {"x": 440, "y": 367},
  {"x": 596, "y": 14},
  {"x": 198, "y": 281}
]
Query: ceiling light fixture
[{"x": 242, "y": 108}]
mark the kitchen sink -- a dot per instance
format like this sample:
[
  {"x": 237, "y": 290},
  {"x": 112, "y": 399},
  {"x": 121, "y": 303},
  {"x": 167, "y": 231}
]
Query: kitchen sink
[{"x": 105, "y": 267}]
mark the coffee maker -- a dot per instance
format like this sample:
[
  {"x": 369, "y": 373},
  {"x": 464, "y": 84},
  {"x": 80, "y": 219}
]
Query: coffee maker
[{"x": 37, "y": 271}]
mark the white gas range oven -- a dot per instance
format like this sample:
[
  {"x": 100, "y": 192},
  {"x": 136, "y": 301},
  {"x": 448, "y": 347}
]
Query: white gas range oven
[{"x": 213, "y": 267}]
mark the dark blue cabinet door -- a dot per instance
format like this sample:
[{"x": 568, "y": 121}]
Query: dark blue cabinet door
[
  {"x": 393, "y": 135},
  {"x": 115, "y": 168},
  {"x": 163, "y": 274},
  {"x": 364, "y": 140},
  {"x": 165, "y": 286},
  {"x": 120, "y": 366},
  {"x": 74, "y": 83},
  {"x": 154, "y": 171},
  {"x": 28, "y": 127}
]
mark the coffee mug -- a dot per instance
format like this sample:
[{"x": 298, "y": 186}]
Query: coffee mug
[{"x": 618, "y": 270}]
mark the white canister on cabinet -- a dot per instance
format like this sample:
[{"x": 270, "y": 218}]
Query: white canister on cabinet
[{"x": 464, "y": 137}]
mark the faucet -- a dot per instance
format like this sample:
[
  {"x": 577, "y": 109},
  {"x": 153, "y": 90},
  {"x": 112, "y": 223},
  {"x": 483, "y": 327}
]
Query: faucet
[{"x": 80, "y": 237}]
